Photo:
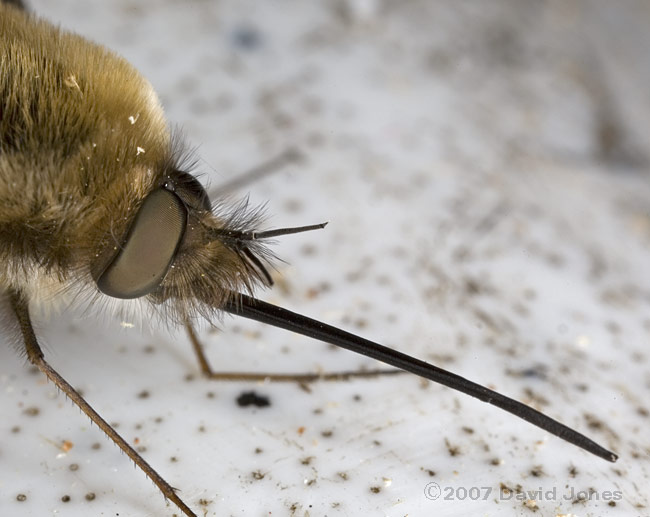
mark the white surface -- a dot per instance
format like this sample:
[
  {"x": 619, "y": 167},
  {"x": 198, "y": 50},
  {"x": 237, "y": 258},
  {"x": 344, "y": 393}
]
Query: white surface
[{"x": 476, "y": 221}]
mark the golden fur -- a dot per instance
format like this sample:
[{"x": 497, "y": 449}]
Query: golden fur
[{"x": 83, "y": 140}]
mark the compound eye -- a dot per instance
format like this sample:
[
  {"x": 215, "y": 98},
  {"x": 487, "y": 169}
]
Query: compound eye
[{"x": 149, "y": 249}]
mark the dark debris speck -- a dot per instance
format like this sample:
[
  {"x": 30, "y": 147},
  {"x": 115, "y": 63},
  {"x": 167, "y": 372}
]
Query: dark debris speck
[
  {"x": 251, "y": 398},
  {"x": 32, "y": 411}
]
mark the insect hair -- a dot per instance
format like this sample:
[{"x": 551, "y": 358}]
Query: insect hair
[
  {"x": 100, "y": 208},
  {"x": 55, "y": 191}
]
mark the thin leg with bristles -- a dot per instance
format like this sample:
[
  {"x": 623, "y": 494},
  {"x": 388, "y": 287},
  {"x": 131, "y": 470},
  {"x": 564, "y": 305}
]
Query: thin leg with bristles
[
  {"x": 36, "y": 357},
  {"x": 207, "y": 371}
]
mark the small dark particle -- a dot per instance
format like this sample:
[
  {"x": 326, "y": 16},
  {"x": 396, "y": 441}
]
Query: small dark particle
[
  {"x": 258, "y": 475},
  {"x": 15, "y": 429},
  {"x": 73, "y": 467},
  {"x": 293, "y": 206},
  {"x": 327, "y": 434},
  {"x": 353, "y": 276},
  {"x": 306, "y": 460},
  {"x": 144, "y": 394},
  {"x": 573, "y": 472},
  {"x": 246, "y": 38},
  {"x": 472, "y": 286},
  {"x": 537, "y": 471},
  {"x": 361, "y": 323},
  {"x": 536, "y": 397},
  {"x": 173, "y": 459},
  {"x": 204, "y": 502},
  {"x": 375, "y": 489},
  {"x": 521, "y": 310},
  {"x": 21, "y": 497},
  {"x": 537, "y": 372},
  {"x": 428, "y": 471},
  {"x": 308, "y": 249},
  {"x": 90, "y": 496},
  {"x": 259, "y": 450},
  {"x": 612, "y": 503},
  {"x": 467, "y": 430},
  {"x": 383, "y": 280},
  {"x": 593, "y": 422},
  {"x": 250, "y": 398},
  {"x": 95, "y": 446},
  {"x": 555, "y": 260},
  {"x": 315, "y": 139},
  {"x": 32, "y": 411},
  {"x": 65, "y": 499},
  {"x": 583, "y": 496},
  {"x": 453, "y": 450},
  {"x": 342, "y": 475},
  {"x": 531, "y": 504},
  {"x": 282, "y": 120}
]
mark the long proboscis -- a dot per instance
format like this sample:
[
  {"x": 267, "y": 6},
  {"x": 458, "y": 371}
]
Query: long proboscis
[{"x": 248, "y": 307}]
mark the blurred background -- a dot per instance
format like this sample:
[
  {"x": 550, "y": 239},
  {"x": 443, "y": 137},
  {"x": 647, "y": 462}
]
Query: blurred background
[{"x": 484, "y": 168}]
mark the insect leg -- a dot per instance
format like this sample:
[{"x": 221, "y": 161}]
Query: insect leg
[
  {"x": 35, "y": 356},
  {"x": 290, "y": 155},
  {"x": 207, "y": 371}
]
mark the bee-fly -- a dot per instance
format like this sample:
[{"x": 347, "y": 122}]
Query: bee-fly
[{"x": 97, "y": 206}]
